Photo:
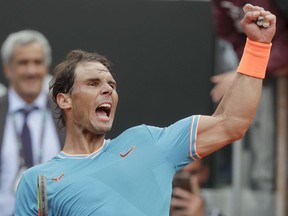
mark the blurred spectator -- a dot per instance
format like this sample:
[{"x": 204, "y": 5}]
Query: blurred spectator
[
  {"x": 28, "y": 134},
  {"x": 261, "y": 135},
  {"x": 188, "y": 200},
  {"x": 3, "y": 90}
]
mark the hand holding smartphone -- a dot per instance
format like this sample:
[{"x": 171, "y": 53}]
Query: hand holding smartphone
[
  {"x": 186, "y": 196},
  {"x": 183, "y": 180}
]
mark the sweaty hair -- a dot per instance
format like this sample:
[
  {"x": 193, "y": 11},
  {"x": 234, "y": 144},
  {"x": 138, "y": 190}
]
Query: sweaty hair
[
  {"x": 64, "y": 76},
  {"x": 22, "y": 38}
]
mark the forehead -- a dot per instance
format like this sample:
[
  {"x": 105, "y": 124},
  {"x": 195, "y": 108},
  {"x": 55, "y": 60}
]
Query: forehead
[
  {"x": 31, "y": 50},
  {"x": 91, "y": 70}
]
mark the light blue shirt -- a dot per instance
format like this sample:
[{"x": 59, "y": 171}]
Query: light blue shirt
[
  {"x": 130, "y": 175},
  {"x": 47, "y": 146}
]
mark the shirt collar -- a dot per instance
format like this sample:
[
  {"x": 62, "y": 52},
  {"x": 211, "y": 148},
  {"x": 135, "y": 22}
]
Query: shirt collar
[
  {"x": 104, "y": 146},
  {"x": 16, "y": 102}
]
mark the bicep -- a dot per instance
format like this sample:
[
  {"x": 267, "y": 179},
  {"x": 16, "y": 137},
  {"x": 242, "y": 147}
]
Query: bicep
[
  {"x": 232, "y": 117},
  {"x": 213, "y": 133}
]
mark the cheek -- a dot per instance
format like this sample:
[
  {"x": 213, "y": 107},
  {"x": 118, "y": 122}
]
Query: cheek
[
  {"x": 18, "y": 78},
  {"x": 116, "y": 98},
  {"x": 78, "y": 112},
  {"x": 15, "y": 75},
  {"x": 82, "y": 105},
  {"x": 43, "y": 71}
]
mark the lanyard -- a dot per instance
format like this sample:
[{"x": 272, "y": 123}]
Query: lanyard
[{"x": 41, "y": 139}]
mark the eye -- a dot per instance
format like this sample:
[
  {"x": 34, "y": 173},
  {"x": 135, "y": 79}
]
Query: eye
[
  {"x": 112, "y": 85},
  {"x": 39, "y": 62},
  {"x": 93, "y": 83},
  {"x": 22, "y": 62}
]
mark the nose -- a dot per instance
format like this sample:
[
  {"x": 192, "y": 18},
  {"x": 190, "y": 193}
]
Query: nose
[
  {"x": 31, "y": 69},
  {"x": 106, "y": 89}
]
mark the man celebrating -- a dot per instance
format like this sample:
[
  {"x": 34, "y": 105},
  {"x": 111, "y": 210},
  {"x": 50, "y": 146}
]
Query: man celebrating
[{"x": 132, "y": 174}]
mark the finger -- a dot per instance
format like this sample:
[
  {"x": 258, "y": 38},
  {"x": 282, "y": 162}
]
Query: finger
[
  {"x": 214, "y": 98},
  {"x": 267, "y": 20},
  {"x": 218, "y": 78},
  {"x": 180, "y": 203},
  {"x": 180, "y": 212},
  {"x": 264, "y": 19},
  {"x": 181, "y": 193},
  {"x": 215, "y": 79},
  {"x": 248, "y": 8},
  {"x": 195, "y": 186},
  {"x": 270, "y": 18},
  {"x": 251, "y": 17},
  {"x": 216, "y": 94},
  {"x": 257, "y": 8}
]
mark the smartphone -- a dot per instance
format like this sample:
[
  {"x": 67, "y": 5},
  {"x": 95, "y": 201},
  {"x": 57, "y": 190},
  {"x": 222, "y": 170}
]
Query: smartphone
[{"x": 182, "y": 180}]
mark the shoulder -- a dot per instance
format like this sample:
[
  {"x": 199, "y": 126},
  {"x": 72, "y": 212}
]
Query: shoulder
[
  {"x": 41, "y": 169},
  {"x": 135, "y": 129},
  {"x": 135, "y": 132}
]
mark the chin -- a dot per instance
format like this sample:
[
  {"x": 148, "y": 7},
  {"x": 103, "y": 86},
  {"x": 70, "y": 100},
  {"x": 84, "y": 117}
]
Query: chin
[
  {"x": 32, "y": 91},
  {"x": 102, "y": 130}
]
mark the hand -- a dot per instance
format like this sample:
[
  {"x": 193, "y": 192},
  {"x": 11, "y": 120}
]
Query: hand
[
  {"x": 186, "y": 203},
  {"x": 221, "y": 84},
  {"x": 252, "y": 30}
]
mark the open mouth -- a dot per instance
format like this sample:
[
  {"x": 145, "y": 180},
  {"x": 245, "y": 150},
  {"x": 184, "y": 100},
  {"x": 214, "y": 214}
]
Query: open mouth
[{"x": 103, "y": 110}]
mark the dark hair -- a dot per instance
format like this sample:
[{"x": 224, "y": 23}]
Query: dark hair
[{"x": 64, "y": 76}]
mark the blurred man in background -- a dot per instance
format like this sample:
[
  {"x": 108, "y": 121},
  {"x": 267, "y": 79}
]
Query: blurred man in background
[{"x": 28, "y": 134}]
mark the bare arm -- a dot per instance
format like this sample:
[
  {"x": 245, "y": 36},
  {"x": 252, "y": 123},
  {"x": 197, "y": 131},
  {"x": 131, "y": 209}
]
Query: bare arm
[{"x": 235, "y": 112}]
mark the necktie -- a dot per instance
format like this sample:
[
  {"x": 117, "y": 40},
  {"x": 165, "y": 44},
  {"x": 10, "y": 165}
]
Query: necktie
[{"x": 26, "y": 140}]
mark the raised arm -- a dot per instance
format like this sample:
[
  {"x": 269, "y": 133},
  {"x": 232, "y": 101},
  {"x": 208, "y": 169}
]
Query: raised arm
[{"x": 235, "y": 112}]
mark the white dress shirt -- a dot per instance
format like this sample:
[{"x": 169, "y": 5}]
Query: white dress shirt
[{"x": 43, "y": 147}]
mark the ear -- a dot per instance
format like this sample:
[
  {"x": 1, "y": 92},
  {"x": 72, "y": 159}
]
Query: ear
[
  {"x": 63, "y": 101},
  {"x": 7, "y": 71}
]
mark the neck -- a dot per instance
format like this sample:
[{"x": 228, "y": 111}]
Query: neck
[{"x": 82, "y": 142}]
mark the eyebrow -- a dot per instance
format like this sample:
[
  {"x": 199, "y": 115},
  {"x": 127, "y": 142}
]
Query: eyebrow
[
  {"x": 105, "y": 70},
  {"x": 98, "y": 79}
]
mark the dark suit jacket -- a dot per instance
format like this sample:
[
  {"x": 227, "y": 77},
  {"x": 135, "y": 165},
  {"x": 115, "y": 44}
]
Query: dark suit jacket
[{"x": 3, "y": 113}]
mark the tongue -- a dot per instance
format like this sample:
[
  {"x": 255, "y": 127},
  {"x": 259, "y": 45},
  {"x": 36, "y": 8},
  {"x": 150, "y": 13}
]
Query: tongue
[{"x": 100, "y": 112}]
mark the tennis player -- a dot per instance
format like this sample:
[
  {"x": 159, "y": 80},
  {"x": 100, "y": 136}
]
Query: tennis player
[{"x": 132, "y": 174}]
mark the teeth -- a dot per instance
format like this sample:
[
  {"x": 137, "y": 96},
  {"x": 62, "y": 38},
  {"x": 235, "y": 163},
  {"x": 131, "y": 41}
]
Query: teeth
[{"x": 105, "y": 105}]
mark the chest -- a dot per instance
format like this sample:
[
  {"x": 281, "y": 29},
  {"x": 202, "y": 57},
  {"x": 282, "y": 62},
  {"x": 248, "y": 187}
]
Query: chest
[{"x": 127, "y": 177}]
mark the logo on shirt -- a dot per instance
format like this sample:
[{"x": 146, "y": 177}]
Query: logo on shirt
[
  {"x": 58, "y": 179},
  {"x": 123, "y": 155}
]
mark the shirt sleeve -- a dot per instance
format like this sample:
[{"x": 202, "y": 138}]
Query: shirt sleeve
[
  {"x": 178, "y": 141},
  {"x": 26, "y": 198}
]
